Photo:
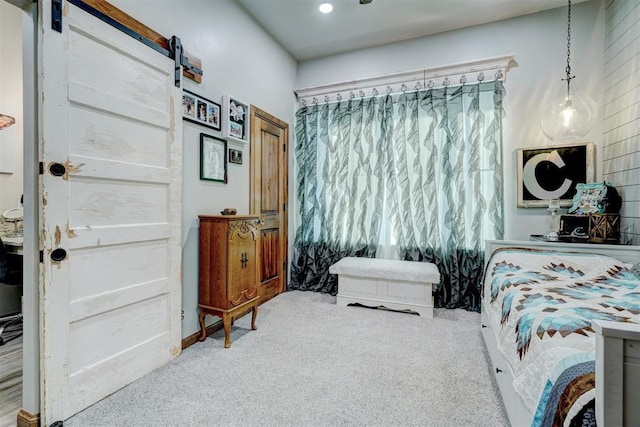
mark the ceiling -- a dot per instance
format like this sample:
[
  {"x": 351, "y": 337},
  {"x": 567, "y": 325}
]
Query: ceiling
[{"x": 307, "y": 34}]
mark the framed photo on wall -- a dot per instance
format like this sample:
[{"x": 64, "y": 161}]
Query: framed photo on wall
[
  {"x": 202, "y": 111},
  {"x": 236, "y": 118},
  {"x": 235, "y": 156},
  {"x": 213, "y": 158},
  {"x": 553, "y": 172}
]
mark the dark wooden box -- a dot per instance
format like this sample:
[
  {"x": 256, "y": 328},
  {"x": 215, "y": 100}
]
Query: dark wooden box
[{"x": 604, "y": 228}]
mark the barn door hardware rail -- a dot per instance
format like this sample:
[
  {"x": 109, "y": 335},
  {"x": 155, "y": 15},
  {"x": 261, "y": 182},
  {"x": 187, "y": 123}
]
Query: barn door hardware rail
[{"x": 171, "y": 48}]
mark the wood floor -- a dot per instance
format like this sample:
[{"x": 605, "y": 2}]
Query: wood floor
[{"x": 10, "y": 378}]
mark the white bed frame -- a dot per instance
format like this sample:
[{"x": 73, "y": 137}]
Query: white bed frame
[{"x": 617, "y": 350}]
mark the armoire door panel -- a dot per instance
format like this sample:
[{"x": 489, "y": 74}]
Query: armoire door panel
[{"x": 242, "y": 261}]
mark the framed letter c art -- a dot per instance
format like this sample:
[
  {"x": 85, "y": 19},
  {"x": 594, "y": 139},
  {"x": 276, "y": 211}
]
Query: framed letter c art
[{"x": 553, "y": 172}]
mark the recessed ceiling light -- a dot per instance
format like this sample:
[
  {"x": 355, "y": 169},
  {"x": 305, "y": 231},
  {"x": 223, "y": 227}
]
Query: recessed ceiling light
[{"x": 326, "y": 7}]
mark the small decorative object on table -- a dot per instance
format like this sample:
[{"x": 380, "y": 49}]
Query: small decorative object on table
[
  {"x": 554, "y": 207},
  {"x": 604, "y": 228},
  {"x": 594, "y": 213},
  {"x": 597, "y": 197},
  {"x": 229, "y": 211},
  {"x": 574, "y": 228}
]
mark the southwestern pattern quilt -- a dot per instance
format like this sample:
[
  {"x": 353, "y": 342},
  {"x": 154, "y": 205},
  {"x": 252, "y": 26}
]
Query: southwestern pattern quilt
[{"x": 543, "y": 303}]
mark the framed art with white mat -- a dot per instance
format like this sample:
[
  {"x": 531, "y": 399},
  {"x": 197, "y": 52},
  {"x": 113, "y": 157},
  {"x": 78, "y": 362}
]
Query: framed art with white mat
[
  {"x": 213, "y": 158},
  {"x": 235, "y": 118}
]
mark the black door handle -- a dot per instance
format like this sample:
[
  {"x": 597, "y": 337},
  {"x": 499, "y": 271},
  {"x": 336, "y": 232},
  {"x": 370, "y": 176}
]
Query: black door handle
[
  {"x": 57, "y": 169},
  {"x": 58, "y": 255}
]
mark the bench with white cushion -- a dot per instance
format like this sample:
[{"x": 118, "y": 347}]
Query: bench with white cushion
[{"x": 393, "y": 284}]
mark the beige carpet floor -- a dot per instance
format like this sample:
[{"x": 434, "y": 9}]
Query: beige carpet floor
[{"x": 312, "y": 363}]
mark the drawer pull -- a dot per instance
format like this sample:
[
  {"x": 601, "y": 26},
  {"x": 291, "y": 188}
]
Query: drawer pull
[
  {"x": 484, "y": 326},
  {"x": 498, "y": 370}
]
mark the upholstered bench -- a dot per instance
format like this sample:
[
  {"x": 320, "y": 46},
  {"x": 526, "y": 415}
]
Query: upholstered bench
[{"x": 396, "y": 285}]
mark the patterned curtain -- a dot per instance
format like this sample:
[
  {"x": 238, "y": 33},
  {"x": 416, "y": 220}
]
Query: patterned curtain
[
  {"x": 415, "y": 176},
  {"x": 340, "y": 190}
]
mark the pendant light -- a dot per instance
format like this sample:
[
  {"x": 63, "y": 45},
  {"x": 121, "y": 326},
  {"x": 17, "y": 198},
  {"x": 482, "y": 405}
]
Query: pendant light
[
  {"x": 570, "y": 114},
  {"x": 6, "y": 121}
]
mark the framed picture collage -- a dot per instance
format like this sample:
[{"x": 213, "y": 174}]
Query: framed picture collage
[{"x": 231, "y": 119}]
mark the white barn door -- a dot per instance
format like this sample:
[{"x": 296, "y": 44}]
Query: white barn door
[{"x": 111, "y": 141}]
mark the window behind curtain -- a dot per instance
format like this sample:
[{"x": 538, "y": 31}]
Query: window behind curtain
[{"x": 413, "y": 176}]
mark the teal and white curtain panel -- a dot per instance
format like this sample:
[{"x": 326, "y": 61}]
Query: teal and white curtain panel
[{"x": 415, "y": 176}]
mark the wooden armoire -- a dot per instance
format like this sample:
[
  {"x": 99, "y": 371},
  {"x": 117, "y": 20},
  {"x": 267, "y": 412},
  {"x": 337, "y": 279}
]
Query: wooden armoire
[{"x": 229, "y": 279}]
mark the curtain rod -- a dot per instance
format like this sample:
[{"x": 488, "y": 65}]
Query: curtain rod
[{"x": 488, "y": 69}]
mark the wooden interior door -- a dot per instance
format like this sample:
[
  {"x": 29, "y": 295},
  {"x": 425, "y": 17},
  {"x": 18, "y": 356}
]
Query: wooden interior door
[
  {"x": 269, "y": 187},
  {"x": 111, "y": 141}
]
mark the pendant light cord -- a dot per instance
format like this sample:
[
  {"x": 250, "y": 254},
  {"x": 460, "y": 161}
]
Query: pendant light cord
[{"x": 568, "y": 69}]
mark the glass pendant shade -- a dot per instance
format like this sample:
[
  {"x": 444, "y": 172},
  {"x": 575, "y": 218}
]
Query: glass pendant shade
[{"x": 569, "y": 115}]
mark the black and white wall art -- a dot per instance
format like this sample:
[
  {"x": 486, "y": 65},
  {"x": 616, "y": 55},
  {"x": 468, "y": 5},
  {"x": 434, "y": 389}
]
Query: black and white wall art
[{"x": 553, "y": 172}]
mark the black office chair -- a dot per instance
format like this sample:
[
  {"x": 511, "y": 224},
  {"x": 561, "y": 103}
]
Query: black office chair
[{"x": 10, "y": 274}]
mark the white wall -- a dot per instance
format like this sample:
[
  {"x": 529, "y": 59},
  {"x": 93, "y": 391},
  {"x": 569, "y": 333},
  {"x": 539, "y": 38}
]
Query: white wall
[
  {"x": 239, "y": 58},
  {"x": 622, "y": 110},
  {"x": 538, "y": 42},
  {"x": 10, "y": 104}
]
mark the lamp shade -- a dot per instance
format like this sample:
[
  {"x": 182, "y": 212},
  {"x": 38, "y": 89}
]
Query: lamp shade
[
  {"x": 569, "y": 115},
  {"x": 6, "y": 121}
]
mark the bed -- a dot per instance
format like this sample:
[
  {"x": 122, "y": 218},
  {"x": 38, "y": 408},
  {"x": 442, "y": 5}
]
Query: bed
[{"x": 561, "y": 323}]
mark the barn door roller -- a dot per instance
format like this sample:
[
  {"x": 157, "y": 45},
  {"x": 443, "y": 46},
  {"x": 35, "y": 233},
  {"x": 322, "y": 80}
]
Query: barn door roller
[
  {"x": 56, "y": 15},
  {"x": 176, "y": 54}
]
